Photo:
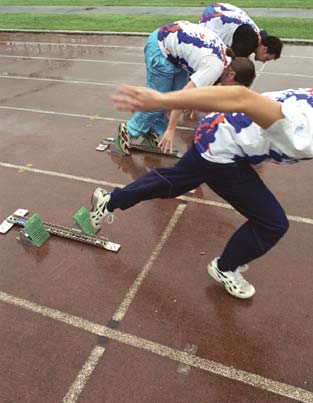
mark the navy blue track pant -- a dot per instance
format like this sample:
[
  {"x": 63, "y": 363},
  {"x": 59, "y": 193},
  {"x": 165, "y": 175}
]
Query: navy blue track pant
[{"x": 237, "y": 183}]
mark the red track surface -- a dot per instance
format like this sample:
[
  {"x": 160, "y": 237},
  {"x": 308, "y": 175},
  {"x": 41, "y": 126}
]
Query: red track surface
[{"x": 137, "y": 310}]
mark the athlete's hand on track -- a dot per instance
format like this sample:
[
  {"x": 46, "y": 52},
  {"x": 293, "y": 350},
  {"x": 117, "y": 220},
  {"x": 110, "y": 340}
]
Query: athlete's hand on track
[{"x": 166, "y": 142}]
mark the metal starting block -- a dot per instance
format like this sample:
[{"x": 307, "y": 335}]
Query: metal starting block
[
  {"x": 37, "y": 232},
  {"x": 137, "y": 145}
]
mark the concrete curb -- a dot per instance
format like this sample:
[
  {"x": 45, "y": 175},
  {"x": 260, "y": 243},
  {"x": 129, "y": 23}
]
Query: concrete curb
[{"x": 292, "y": 41}]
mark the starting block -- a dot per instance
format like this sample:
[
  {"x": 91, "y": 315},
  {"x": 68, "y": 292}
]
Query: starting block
[
  {"x": 37, "y": 232},
  {"x": 137, "y": 145},
  {"x": 34, "y": 231}
]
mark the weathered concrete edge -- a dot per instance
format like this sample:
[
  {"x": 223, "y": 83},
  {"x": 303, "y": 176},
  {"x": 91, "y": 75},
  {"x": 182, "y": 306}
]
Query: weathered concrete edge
[{"x": 293, "y": 41}]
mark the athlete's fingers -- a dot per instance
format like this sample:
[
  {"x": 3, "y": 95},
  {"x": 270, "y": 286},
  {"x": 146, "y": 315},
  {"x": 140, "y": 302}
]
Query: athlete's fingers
[
  {"x": 122, "y": 102},
  {"x": 129, "y": 90},
  {"x": 166, "y": 144}
]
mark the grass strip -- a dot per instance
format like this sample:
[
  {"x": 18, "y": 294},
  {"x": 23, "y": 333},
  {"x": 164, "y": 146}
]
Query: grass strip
[
  {"x": 173, "y": 3},
  {"x": 281, "y": 27}
]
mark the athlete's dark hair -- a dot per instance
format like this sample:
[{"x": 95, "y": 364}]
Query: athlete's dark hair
[
  {"x": 245, "y": 41},
  {"x": 274, "y": 45},
  {"x": 244, "y": 69}
]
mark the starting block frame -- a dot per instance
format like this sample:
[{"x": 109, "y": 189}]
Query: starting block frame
[
  {"x": 137, "y": 146},
  {"x": 19, "y": 218}
]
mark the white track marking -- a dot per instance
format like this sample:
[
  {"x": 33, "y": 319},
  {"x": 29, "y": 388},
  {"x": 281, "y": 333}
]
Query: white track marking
[
  {"x": 296, "y": 57},
  {"x": 75, "y": 115},
  {"x": 258, "y": 73},
  {"x": 60, "y": 175},
  {"x": 257, "y": 381},
  {"x": 70, "y": 45},
  {"x": 294, "y": 218},
  {"x": 287, "y": 74},
  {"x": 123, "y": 308},
  {"x": 84, "y": 374},
  {"x": 58, "y": 80}
]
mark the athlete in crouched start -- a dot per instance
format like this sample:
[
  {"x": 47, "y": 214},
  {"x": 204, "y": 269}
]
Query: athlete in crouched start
[{"x": 250, "y": 128}]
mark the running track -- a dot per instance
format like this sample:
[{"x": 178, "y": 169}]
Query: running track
[{"x": 79, "y": 324}]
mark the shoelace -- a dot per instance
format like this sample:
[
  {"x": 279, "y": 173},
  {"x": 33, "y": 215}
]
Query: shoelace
[
  {"x": 240, "y": 279},
  {"x": 110, "y": 218}
]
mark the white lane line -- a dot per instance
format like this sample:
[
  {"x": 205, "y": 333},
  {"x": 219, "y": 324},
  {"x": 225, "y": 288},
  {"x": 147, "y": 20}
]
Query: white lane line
[
  {"x": 72, "y": 45},
  {"x": 296, "y": 57},
  {"x": 42, "y": 58},
  {"x": 75, "y": 115},
  {"x": 257, "y": 381},
  {"x": 287, "y": 75},
  {"x": 131, "y": 293},
  {"x": 84, "y": 374},
  {"x": 258, "y": 73},
  {"x": 294, "y": 218},
  {"x": 81, "y": 82},
  {"x": 183, "y": 368},
  {"x": 67, "y": 59},
  {"x": 58, "y": 80},
  {"x": 60, "y": 175}
]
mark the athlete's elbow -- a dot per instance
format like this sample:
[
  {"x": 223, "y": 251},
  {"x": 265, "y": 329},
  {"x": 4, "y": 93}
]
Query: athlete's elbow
[{"x": 244, "y": 98}]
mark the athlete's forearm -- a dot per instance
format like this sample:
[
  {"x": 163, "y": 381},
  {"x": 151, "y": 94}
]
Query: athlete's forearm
[
  {"x": 262, "y": 110},
  {"x": 173, "y": 120},
  {"x": 207, "y": 99}
]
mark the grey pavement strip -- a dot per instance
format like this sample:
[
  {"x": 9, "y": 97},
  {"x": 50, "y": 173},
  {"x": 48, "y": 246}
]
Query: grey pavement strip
[
  {"x": 290, "y": 41},
  {"x": 196, "y": 11}
]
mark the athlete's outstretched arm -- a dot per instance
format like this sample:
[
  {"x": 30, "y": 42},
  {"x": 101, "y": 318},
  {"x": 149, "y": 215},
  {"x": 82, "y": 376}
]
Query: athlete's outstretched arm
[{"x": 234, "y": 98}]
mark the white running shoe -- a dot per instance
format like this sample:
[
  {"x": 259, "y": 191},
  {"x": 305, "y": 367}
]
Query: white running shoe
[
  {"x": 100, "y": 199},
  {"x": 233, "y": 281}
]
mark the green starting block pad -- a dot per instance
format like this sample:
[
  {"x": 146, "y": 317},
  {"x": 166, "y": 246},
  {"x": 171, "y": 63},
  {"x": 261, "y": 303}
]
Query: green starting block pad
[
  {"x": 81, "y": 217},
  {"x": 36, "y": 231}
]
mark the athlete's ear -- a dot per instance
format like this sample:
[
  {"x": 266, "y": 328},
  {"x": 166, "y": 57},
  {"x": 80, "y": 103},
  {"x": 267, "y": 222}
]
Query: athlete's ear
[
  {"x": 265, "y": 49},
  {"x": 231, "y": 74},
  {"x": 228, "y": 76}
]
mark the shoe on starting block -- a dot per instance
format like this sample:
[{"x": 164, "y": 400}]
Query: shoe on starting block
[
  {"x": 122, "y": 140},
  {"x": 36, "y": 231},
  {"x": 90, "y": 221},
  {"x": 82, "y": 219},
  {"x": 152, "y": 139}
]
